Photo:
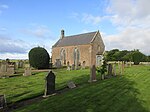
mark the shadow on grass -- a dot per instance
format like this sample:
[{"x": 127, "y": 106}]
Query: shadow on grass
[{"x": 111, "y": 95}]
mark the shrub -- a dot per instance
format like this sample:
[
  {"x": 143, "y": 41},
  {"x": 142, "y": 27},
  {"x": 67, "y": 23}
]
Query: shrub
[{"x": 39, "y": 58}]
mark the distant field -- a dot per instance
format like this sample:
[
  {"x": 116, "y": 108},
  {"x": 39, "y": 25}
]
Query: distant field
[{"x": 128, "y": 93}]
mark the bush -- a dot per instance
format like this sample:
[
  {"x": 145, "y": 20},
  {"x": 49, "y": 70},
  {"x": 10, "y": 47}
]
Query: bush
[{"x": 39, "y": 58}]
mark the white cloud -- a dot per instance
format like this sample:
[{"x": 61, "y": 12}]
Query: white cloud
[
  {"x": 8, "y": 45},
  {"x": 3, "y": 7},
  {"x": 14, "y": 56},
  {"x": 87, "y": 18},
  {"x": 129, "y": 13},
  {"x": 38, "y": 31},
  {"x": 132, "y": 19},
  {"x": 130, "y": 38},
  {"x": 90, "y": 19}
]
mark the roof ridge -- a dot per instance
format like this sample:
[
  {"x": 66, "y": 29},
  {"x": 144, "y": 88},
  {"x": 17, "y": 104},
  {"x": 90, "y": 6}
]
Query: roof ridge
[{"x": 80, "y": 34}]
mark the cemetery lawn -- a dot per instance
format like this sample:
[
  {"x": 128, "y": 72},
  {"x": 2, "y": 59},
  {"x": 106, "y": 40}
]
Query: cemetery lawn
[
  {"x": 25, "y": 87},
  {"x": 127, "y": 93}
]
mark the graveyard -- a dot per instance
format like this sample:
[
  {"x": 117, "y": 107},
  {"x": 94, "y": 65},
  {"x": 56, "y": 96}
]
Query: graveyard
[{"x": 127, "y": 92}]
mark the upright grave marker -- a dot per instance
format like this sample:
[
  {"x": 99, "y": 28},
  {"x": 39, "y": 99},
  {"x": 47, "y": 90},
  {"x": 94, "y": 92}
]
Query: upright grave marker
[
  {"x": 93, "y": 74},
  {"x": 27, "y": 72},
  {"x": 49, "y": 84},
  {"x": 3, "y": 103}
]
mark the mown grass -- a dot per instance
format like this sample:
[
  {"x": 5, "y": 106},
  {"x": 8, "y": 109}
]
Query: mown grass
[
  {"x": 127, "y": 93},
  {"x": 20, "y": 87}
]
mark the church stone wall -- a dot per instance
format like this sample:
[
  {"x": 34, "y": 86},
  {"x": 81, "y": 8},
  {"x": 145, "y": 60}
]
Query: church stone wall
[{"x": 84, "y": 52}]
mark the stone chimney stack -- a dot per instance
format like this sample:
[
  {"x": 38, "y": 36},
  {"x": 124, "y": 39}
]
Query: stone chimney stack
[{"x": 62, "y": 34}]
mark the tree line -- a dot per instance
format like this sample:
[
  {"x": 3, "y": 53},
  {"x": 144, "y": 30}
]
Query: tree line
[{"x": 124, "y": 55}]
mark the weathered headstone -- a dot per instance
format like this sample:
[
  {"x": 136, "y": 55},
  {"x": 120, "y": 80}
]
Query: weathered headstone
[
  {"x": 50, "y": 84},
  {"x": 27, "y": 72},
  {"x": 114, "y": 69},
  {"x": 71, "y": 84},
  {"x": 3, "y": 104},
  {"x": 10, "y": 70},
  {"x": 110, "y": 69},
  {"x": 68, "y": 66},
  {"x": 20, "y": 65},
  {"x": 73, "y": 67},
  {"x": 122, "y": 68},
  {"x": 3, "y": 69},
  {"x": 58, "y": 63},
  {"x": 16, "y": 65},
  {"x": 93, "y": 74}
]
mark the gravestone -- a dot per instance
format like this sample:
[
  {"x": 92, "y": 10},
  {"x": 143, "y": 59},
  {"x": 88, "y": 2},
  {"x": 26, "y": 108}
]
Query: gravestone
[
  {"x": 71, "y": 84},
  {"x": 58, "y": 63},
  {"x": 16, "y": 65},
  {"x": 3, "y": 69},
  {"x": 122, "y": 68},
  {"x": 50, "y": 84},
  {"x": 10, "y": 70},
  {"x": 114, "y": 69},
  {"x": 27, "y": 72},
  {"x": 110, "y": 69},
  {"x": 93, "y": 74},
  {"x": 3, "y": 104},
  {"x": 68, "y": 66},
  {"x": 73, "y": 67}
]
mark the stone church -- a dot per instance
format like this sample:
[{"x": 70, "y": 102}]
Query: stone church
[{"x": 81, "y": 49}]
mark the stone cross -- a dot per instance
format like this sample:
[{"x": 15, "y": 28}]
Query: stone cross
[{"x": 50, "y": 84}]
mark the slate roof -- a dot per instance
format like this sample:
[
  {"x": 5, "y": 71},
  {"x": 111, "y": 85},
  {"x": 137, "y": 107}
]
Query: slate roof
[{"x": 80, "y": 39}]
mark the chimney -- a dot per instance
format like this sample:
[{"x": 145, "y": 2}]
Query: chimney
[{"x": 62, "y": 34}]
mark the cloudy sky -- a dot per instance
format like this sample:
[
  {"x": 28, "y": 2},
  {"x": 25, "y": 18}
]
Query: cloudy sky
[{"x": 24, "y": 24}]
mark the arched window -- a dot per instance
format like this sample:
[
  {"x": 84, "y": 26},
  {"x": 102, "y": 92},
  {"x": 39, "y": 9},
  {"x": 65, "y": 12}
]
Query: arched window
[
  {"x": 76, "y": 56},
  {"x": 63, "y": 56}
]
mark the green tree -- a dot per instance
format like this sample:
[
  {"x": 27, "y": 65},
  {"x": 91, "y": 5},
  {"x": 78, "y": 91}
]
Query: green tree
[
  {"x": 137, "y": 57},
  {"x": 110, "y": 55},
  {"x": 39, "y": 58}
]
